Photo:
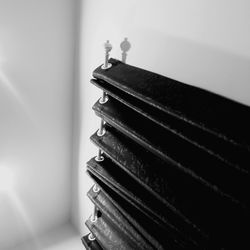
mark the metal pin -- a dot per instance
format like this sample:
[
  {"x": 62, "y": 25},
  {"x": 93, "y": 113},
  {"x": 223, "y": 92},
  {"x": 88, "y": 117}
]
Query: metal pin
[
  {"x": 94, "y": 216},
  {"x": 104, "y": 98},
  {"x": 96, "y": 189},
  {"x": 101, "y": 130},
  {"x": 99, "y": 156},
  {"x": 108, "y": 48},
  {"x": 93, "y": 219},
  {"x": 91, "y": 237}
]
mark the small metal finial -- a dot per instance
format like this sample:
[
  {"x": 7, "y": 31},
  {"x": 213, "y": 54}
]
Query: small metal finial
[
  {"x": 108, "y": 48},
  {"x": 93, "y": 218}
]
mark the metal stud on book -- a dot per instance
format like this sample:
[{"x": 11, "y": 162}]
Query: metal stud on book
[
  {"x": 104, "y": 98},
  {"x": 91, "y": 237},
  {"x": 101, "y": 131},
  {"x": 105, "y": 66},
  {"x": 93, "y": 218},
  {"x": 96, "y": 189},
  {"x": 108, "y": 48}
]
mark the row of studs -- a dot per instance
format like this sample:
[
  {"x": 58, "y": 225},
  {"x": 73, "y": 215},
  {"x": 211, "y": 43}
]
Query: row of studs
[{"x": 101, "y": 132}]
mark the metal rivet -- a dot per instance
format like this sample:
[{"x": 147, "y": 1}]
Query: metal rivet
[
  {"x": 109, "y": 65},
  {"x": 101, "y": 158},
  {"x": 96, "y": 189},
  {"x": 104, "y": 99},
  {"x": 93, "y": 218},
  {"x": 101, "y": 132},
  {"x": 91, "y": 237}
]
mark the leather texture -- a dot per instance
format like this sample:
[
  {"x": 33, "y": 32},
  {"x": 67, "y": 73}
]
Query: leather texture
[
  {"x": 152, "y": 208},
  {"x": 128, "y": 232},
  {"x": 156, "y": 235},
  {"x": 214, "y": 173},
  {"x": 196, "y": 106},
  {"x": 109, "y": 235},
  {"x": 176, "y": 190},
  {"x": 228, "y": 152},
  {"x": 175, "y": 173}
]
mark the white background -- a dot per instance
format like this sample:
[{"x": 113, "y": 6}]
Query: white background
[{"x": 36, "y": 82}]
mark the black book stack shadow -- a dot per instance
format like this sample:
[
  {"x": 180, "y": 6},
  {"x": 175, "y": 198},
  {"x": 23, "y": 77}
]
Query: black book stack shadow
[{"x": 174, "y": 168}]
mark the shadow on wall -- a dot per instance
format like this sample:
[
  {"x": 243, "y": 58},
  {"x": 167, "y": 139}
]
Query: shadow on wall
[
  {"x": 198, "y": 64},
  {"x": 125, "y": 47}
]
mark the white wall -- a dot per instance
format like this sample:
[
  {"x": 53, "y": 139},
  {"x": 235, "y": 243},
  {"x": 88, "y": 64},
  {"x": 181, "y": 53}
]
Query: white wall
[
  {"x": 62, "y": 238},
  {"x": 204, "y": 43},
  {"x": 36, "y": 77}
]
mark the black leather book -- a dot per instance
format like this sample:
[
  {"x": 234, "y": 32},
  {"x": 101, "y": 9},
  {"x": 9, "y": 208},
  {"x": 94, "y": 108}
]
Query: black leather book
[
  {"x": 175, "y": 173},
  {"x": 202, "y": 166},
  {"x": 224, "y": 150},
  {"x": 157, "y": 235},
  {"x": 213, "y": 113},
  {"x": 206, "y": 208},
  {"x": 175, "y": 225},
  {"x": 129, "y": 234}
]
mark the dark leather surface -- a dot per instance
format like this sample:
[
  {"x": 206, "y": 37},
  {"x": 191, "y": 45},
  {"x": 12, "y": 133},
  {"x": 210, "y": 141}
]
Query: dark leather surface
[
  {"x": 199, "y": 107},
  {"x": 207, "y": 208},
  {"x": 144, "y": 226},
  {"x": 115, "y": 179},
  {"x": 90, "y": 245},
  {"x": 173, "y": 222},
  {"x": 212, "y": 144},
  {"x": 108, "y": 235},
  {"x": 105, "y": 207},
  {"x": 155, "y": 233},
  {"x": 204, "y": 167},
  {"x": 217, "y": 217},
  {"x": 176, "y": 163}
]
